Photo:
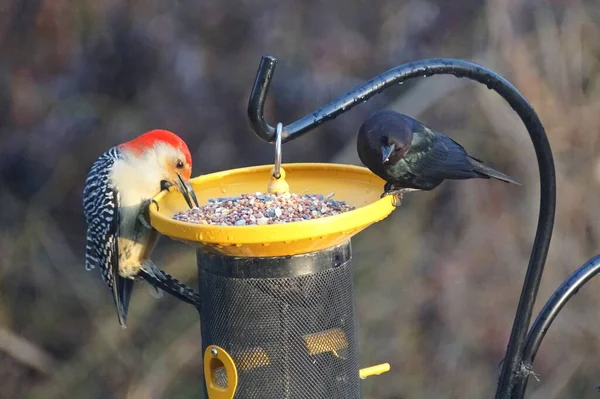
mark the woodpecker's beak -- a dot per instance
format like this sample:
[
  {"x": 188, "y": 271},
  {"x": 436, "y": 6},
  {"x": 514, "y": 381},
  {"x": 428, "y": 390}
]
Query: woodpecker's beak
[
  {"x": 386, "y": 151},
  {"x": 187, "y": 191}
]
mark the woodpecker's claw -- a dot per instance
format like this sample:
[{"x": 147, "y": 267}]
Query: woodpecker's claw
[
  {"x": 164, "y": 185},
  {"x": 144, "y": 215}
]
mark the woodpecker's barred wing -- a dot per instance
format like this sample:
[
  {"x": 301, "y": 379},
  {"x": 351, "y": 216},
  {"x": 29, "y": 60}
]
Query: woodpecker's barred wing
[
  {"x": 445, "y": 159},
  {"x": 101, "y": 211},
  {"x": 100, "y": 208}
]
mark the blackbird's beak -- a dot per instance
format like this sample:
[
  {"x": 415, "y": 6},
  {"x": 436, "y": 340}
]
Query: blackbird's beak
[{"x": 386, "y": 151}]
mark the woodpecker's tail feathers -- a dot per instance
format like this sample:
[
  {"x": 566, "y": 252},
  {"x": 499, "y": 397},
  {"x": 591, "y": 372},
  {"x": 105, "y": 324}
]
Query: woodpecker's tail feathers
[
  {"x": 167, "y": 283},
  {"x": 122, "y": 289}
]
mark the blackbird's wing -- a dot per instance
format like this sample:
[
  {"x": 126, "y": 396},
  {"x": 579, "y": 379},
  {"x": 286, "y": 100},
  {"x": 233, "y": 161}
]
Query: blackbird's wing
[{"x": 445, "y": 159}]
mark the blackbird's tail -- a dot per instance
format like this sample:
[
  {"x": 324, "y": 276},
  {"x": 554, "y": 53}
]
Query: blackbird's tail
[{"x": 487, "y": 172}]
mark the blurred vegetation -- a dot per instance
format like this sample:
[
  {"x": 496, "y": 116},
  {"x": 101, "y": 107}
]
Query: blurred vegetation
[{"x": 437, "y": 282}]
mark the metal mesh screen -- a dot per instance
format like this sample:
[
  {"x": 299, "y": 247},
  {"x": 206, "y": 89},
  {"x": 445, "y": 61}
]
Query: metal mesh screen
[{"x": 290, "y": 337}]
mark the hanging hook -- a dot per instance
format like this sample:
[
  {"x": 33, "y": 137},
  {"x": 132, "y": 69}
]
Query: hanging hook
[
  {"x": 277, "y": 184},
  {"x": 277, "y": 169}
]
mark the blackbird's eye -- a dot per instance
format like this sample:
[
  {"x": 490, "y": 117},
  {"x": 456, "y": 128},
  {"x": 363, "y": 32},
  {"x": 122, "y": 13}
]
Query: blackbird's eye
[{"x": 179, "y": 165}]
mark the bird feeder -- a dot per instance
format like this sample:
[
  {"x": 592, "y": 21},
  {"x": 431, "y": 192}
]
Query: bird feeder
[
  {"x": 277, "y": 305},
  {"x": 279, "y": 299}
]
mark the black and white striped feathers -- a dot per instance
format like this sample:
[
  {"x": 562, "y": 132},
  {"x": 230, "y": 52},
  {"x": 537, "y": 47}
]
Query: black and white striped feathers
[
  {"x": 101, "y": 211},
  {"x": 100, "y": 208}
]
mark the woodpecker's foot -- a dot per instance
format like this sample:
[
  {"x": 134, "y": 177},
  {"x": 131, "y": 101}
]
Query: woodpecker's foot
[
  {"x": 144, "y": 216},
  {"x": 155, "y": 292}
]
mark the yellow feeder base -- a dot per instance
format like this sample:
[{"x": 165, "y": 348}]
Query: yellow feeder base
[{"x": 355, "y": 185}]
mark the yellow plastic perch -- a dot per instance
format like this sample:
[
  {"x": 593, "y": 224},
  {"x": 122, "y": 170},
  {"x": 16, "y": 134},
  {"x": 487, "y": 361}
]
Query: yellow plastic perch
[
  {"x": 355, "y": 185},
  {"x": 220, "y": 373}
]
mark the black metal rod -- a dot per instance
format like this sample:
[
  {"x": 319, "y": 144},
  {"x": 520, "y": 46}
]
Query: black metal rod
[
  {"x": 510, "y": 371},
  {"x": 258, "y": 95},
  {"x": 542, "y": 323}
]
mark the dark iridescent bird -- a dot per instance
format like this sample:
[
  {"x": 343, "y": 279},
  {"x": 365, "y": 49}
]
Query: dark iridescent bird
[{"x": 409, "y": 156}]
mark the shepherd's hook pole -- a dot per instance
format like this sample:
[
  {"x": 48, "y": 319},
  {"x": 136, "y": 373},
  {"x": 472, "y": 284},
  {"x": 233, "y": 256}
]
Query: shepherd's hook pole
[
  {"x": 542, "y": 323},
  {"x": 511, "y": 370}
]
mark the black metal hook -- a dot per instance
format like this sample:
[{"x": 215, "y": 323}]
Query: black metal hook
[
  {"x": 547, "y": 315},
  {"x": 512, "y": 361}
]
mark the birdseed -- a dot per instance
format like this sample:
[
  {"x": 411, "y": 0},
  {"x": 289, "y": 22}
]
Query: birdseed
[{"x": 262, "y": 209}]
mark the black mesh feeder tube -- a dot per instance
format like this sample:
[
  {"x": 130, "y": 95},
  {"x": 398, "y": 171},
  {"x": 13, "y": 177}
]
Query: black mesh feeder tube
[
  {"x": 278, "y": 299},
  {"x": 288, "y": 322}
]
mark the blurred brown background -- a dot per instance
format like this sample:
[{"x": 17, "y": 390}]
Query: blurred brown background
[{"x": 437, "y": 282}]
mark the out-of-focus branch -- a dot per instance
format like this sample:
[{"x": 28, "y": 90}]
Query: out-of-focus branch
[{"x": 26, "y": 352}]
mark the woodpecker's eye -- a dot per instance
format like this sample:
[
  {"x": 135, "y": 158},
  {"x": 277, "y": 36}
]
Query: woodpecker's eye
[{"x": 179, "y": 165}]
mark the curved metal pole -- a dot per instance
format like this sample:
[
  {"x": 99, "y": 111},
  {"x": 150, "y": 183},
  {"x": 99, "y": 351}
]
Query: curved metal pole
[
  {"x": 512, "y": 361},
  {"x": 542, "y": 323}
]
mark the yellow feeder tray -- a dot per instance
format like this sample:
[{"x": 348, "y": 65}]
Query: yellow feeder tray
[{"x": 357, "y": 186}]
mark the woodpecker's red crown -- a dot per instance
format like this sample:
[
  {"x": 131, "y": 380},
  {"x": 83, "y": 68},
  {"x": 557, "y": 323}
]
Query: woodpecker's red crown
[{"x": 151, "y": 138}]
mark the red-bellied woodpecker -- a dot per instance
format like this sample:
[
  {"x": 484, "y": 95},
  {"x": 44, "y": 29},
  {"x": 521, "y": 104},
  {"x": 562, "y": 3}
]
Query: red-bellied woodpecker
[{"x": 116, "y": 198}]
